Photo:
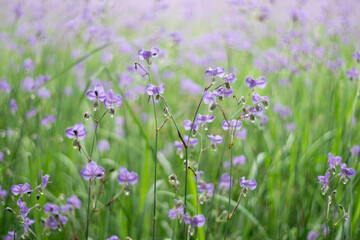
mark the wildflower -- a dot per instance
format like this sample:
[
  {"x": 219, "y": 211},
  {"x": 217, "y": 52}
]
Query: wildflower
[
  {"x": 10, "y": 236},
  {"x": 28, "y": 64},
  {"x": 207, "y": 188},
  {"x": 177, "y": 211},
  {"x": 257, "y": 99},
  {"x": 44, "y": 179},
  {"x": 223, "y": 92},
  {"x": 312, "y": 235},
  {"x": 23, "y": 209},
  {"x": 333, "y": 161},
  {"x": 225, "y": 181},
  {"x": 355, "y": 150},
  {"x": 325, "y": 181},
  {"x": 1, "y": 156},
  {"x": 47, "y": 120},
  {"x": 352, "y": 73},
  {"x": 204, "y": 119},
  {"x": 51, "y": 223},
  {"x": 103, "y": 145},
  {"x": 252, "y": 83},
  {"x": 92, "y": 170},
  {"x": 97, "y": 94},
  {"x": 346, "y": 172},
  {"x": 197, "y": 177},
  {"x": 112, "y": 101},
  {"x": 3, "y": 193},
  {"x": 13, "y": 106},
  {"x": 51, "y": 208},
  {"x": 356, "y": 56},
  {"x": 210, "y": 98},
  {"x": 215, "y": 140},
  {"x": 78, "y": 131},
  {"x": 113, "y": 237},
  {"x": 191, "y": 87},
  {"x": 127, "y": 177},
  {"x": 31, "y": 113},
  {"x": 28, "y": 84},
  {"x": 63, "y": 219},
  {"x": 196, "y": 221},
  {"x": 215, "y": 72},
  {"x": 27, "y": 224},
  {"x": 74, "y": 201},
  {"x": 4, "y": 86},
  {"x": 44, "y": 93},
  {"x": 251, "y": 184},
  {"x": 154, "y": 90},
  {"x": 230, "y": 78},
  {"x": 241, "y": 134},
  {"x": 240, "y": 160},
  {"x": 21, "y": 188},
  {"x": 148, "y": 55},
  {"x": 232, "y": 125},
  {"x": 192, "y": 141}
]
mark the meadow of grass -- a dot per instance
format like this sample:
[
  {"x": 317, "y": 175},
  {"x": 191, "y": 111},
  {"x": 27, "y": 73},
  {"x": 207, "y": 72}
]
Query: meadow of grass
[{"x": 313, "y": 110}]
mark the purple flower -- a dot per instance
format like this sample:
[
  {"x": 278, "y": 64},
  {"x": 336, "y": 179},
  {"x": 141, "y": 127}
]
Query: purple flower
[
  {"x": 127, "y": 177},
  {"x": 74, "y": 201},
  {"x": 44, "y": 93},
  {"x": 324, "y": 179},
  {"x": 256, "y": 98},
  {"x": 62, "y": 219},
  {"x": 230, "y": 78},
  {"x": 103, "y": 145},
  {"x": 10, "y": 236},
  {"x": 224, "y": 182},
  {"x": 92, "y": 170},
  {"x": 207, "y": 188},
  {"x": 240, "y": 160},
  {"x": 215, "y": 139},
  {"x": 1, "y": 156},
  {"x": 188, "y": 124},
  {"x": 28, "y": 84},
  {"x": 251, "y": 184},
  {"x": 51, "y": 208},
  {"x": 112, "y": 100},
  {"x": 27, "y": 224},
  {"x": 333, "y": 161},
  {"x": 28, "y": 64},
  {"x": 355, "y": 150},
  {"x": 192, "y": 141},
  {"x": 190, "y": 86},
  {"x": 241, "y": 134},
  {"x": 4, "y": 86},
  {"x": 23, "y": 209},
  {"x": 344, "y": 170},
  {"x": 356, "y": 56},
  {"x": 154, "y": 90},
  {"x": 51, "y": 223},
  {"x": 113, "y": 237},
  {"x": 3, "y": 192},
  {"x": 209, "y": 98},
  {"x": 44, "y": 179},
  {"x": 78, "y": 131},
  {"x": 223, "y": 92},
  {"x": 97, "y": 93},
  {"x": 196, "y": 221},
  {"x": 177, "y": 211},
  {"x": 217, "y": 72},
  {"x": 147, "y": 55},
  {"x": 13, "y": 106},
  {"x": 312, "y": 235},
  {"x": 31, "y": 113},
  {"x": 21, "y": 188},
  {"x": 252, "y": 83},
  {"x": 233, "y": 124},
  {"x": 352, "y": 73},
  {"x": 204, "y": 118},
  {"x": 178, "y": 145},
  {"x": 47, "y": 120}
]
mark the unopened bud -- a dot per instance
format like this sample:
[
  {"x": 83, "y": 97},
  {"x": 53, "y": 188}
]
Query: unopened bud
[
  {"x": 227, "y": 85},
  {"x": 242, "y": 99},
  {"x": 265, "y": 103},
  {"x": 157, "y": 98},
  {"x": 86, "y": 115},
  {"x": 76, "y": 143},
  {"x": 257, "y": 108},
  {"x": 252, "y": 117},
  {"x": 111, "y": 112},
  {"x": 96, "y": 105},
  {"x": 212, "y": 106}
]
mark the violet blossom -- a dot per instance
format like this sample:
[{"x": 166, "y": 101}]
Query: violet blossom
[
  {"x": 224, "y": 182},
  {"x": 252, "y": 83},
  {"x": 148, "y": 55},
  {"x": 27, "y": 224},
  {"x": 333, "y": 161},
  {"x": 92, "y": 170},
  {"x": 352, "y": 73},
  {"x": 44, "y": 179},
  {"x": 196, "y": 221},
  {"x": 97, "y": 94},
  {"x": 47, "y": 120},
  {"x": 127, "y": 177},
  {"x": 346, "y": 172},
  {"x": 155, "y": 90},
  {"x": 5, "y": 86},
  {"x": 233, "y": 125},
  {"x": 251, "y": 184},
  {"x": 325, "y": 181},
  {"x": 78, "y": 131},
  {"x": 20, "y": 189},
  {"x": 23, "y": 209},
  {"x": 215, "y": 72},
  {"x": 177, "y": 211}
]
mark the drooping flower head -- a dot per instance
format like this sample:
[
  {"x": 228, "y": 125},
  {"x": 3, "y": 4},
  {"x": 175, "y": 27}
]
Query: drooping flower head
[
  {"x": 50, "y": 208},
  {"x": 192, "y": 141},
  {"x": 325, "y": 181},
  {"x": 204, "y": 118},
  {"x": 148, "y": 55},
  {"x": 97, "y": 94},
  {"x": 156, "y": 91},
  {"x": 349, "y": 172},
  {"x": 177, "y": 211},
  {"x": 27, "y": 224},
  {"x": 333, "y": 161},
  {"x": 230, "y": 78},
  {"x": 196, "y": 221},
  {"x": 189, "y": 124},
  {"x": 78, "y": 131},
  {"x": 252, "y": 83},
  {"x": 352, "y": 73},
  {"x": 21, "y": 188},
  {"x": 23, "y": 209},
  {"x": 92, "y": 170},
  {"x": 127, "y": 177},
  {"x": 215, "y": 139},
  {"x": 44, "y": 179},
  {"x": 209, "y": 98},
  {"x": 112, "y": 100}
]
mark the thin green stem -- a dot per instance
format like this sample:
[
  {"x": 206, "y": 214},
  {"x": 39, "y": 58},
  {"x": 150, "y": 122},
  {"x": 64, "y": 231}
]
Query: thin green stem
[
  {"x": 231, "y": 163},
  {"x": 155, "y": 157}
]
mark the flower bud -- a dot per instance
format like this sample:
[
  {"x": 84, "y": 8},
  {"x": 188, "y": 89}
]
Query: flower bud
[
  {"x": 96, "y": 105},
  {"x": 242, "y": 100},
  {"x": 212, "y": 107},
  {"x": 227, "y": 85},
  {"x": 265, "y": 103},
  {"x": 157, "y": 98},
  {"x": 111, "y": 112},
  {"x": 86, "y": 115},
  {"x": 257, "y": 108},
  {"x": 76, "y": 143},
  {"x": 127, "y": 189},
  {"x": 252, "y": 117}
]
